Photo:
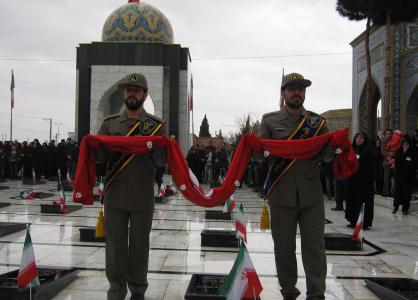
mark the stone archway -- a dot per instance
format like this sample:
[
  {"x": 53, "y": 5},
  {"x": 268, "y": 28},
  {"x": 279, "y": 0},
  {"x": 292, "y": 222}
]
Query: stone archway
[
  {"x": 412, "y": 112},
  {"x": 368, "y": 110}
]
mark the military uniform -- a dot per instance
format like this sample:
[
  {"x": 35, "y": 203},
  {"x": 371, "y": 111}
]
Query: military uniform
[
  {"x": 297, "y": 198},
  {"x": 129, "y": 203}
]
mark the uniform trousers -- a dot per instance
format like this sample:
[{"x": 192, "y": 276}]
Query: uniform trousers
[
  {"x": 311, "y": 221},
  {"x": 127, "y": 251}
]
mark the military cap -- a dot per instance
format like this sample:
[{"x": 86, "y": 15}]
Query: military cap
[
  {"x": 134, "y": 79},
  {"x": 295, "y": 78}
]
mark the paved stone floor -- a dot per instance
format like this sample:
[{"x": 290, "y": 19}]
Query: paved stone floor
[{"x": 176, "y": 252}]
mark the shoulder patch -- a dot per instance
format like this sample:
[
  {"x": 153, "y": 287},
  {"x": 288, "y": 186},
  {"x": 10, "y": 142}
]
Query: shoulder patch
[
  {"x": 111, "y": 117},
  {"x": 271, "y": 114},
  {"x": 315, "y": 114},
  {"x": 156, "y": 119}
]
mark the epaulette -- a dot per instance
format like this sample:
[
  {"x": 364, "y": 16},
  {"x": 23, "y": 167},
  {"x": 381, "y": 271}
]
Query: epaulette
[
  {"x": 111, "y": 117},
  {"x": 313, "y": 113},
  {"x": 271, "y": 114},
  {"x": 155, "y": 118}
]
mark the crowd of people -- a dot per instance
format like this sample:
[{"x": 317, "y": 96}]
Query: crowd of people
[
  {"x": 20, "y": 159},
  {"x": 210, "y": 164},
  {"x": 386, "y": 168}
]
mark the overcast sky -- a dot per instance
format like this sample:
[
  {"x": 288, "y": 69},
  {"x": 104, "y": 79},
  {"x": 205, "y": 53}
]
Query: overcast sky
[{"x": 293, "y": 35}]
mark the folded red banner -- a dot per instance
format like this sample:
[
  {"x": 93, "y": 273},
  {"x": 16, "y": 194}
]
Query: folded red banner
[{"x": 344, "y": 164}]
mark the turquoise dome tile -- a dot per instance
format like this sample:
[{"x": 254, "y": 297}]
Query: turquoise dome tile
[{"x": 137, "y": 22}]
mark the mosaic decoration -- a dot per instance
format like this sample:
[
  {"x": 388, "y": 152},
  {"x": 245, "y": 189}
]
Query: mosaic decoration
[
  {"x": 397, "y": 78},
  {"x": 137, "y": 22},
  {"x": 411, "y": 117},
  {"x": 412, "y": 36},
  {"x": 376, "y": 55},
  {"x": 411, "y": 63}
]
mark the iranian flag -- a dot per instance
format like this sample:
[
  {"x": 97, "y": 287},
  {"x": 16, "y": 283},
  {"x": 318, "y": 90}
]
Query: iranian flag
[
  {"x": 68, "y": 179},
  {"x": 172, "y": 188},
  {"x": 12, "y": 92},
  {"x": 101, "y": 187},
  {"x": 63, "y": 200},
  {"x": 242, "y": 282},
  {"x": 240, "y": 224},
  {"x": 162, "y": 192},
  {"x": 27, "y": 272},
  {"x": 229, "y": 204},
  {"x": 33, "y": 176},
  {"x": 28, "y": 195},
  {"x": 358, "y": 229}
]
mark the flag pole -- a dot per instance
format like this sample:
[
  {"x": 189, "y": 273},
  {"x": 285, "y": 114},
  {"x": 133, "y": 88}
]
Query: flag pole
[
  {"x": 12, "y": 87},
  {"x": 30, "y": 284},
  {"x": 11, "y": 123},
  {"x": 362, "y": 236},
  {"x": 191, "y": 105}
]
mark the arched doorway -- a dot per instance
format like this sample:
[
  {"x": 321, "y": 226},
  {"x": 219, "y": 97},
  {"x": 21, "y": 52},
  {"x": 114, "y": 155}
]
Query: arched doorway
[
  {"x": 369, "y": 118},
  {"x": 412, "y": 112}
]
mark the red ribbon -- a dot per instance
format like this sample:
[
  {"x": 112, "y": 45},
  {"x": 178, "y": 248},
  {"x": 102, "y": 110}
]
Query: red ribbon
[{"x": 344, "y": 165}]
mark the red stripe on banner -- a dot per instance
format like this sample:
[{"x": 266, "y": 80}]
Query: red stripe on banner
[{"x": 344, "y": 165}]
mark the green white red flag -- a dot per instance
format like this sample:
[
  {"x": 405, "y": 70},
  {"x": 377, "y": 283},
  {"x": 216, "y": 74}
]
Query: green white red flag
[
  {"x": 242, "y": 282},
  {"x": 28, "y": 195},
  {"x": 63, "y": 200},
  {"x": 12, "y": 91},
  {"x": 27, "y": 272},
  {"x": 358, "y": 229},
  {"x": 68, "y": 179},
  {"x": 161, "y": 192},
  {"x": 101, "y": 187},
  {"x": 240, "y": 224},
  {"x": 229, "y": 205},
  {"x": 33, "y": 176}
]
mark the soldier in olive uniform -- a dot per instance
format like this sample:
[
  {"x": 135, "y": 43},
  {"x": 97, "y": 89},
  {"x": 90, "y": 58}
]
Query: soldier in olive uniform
[
  {"x": 296, "y": 196},
  {"x": 129, "y": 193}
]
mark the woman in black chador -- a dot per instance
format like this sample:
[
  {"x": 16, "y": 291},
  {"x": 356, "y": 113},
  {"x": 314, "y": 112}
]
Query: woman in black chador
[
  {"x": 405, "y": 164},
  {"x": 360, "y": 184}
]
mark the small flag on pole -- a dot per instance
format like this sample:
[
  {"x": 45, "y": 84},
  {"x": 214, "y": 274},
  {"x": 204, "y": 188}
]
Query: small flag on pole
[
  {"x": 12, "y": 91},
  {"x": 229, "y": 205},
  {"x": 242, "y": 282},
  {"x": 27, "y": 272},
  {"x": 101, "y": 187},
  {"x": 170, "y": 189},
  {"x": 240, "y": 224},
  {"x": 68, "y": 179},
  {"x": 162, "y": 192},
  {"x": 33, "y": 176},
  {"x": 191, "y": 94},
  {"x": 63, "y": 200},
  {"x": 358, "y": 229}
]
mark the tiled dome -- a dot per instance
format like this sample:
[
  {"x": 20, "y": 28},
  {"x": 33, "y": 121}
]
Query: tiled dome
[{"x": 137, "y": 22}]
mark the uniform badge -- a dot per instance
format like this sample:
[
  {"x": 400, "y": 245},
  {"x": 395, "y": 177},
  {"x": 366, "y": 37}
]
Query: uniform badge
[
  {"x": 132, "y": 78},
  {"x": 313, "y": 121},
  {"x": 149, "y": 144}
]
